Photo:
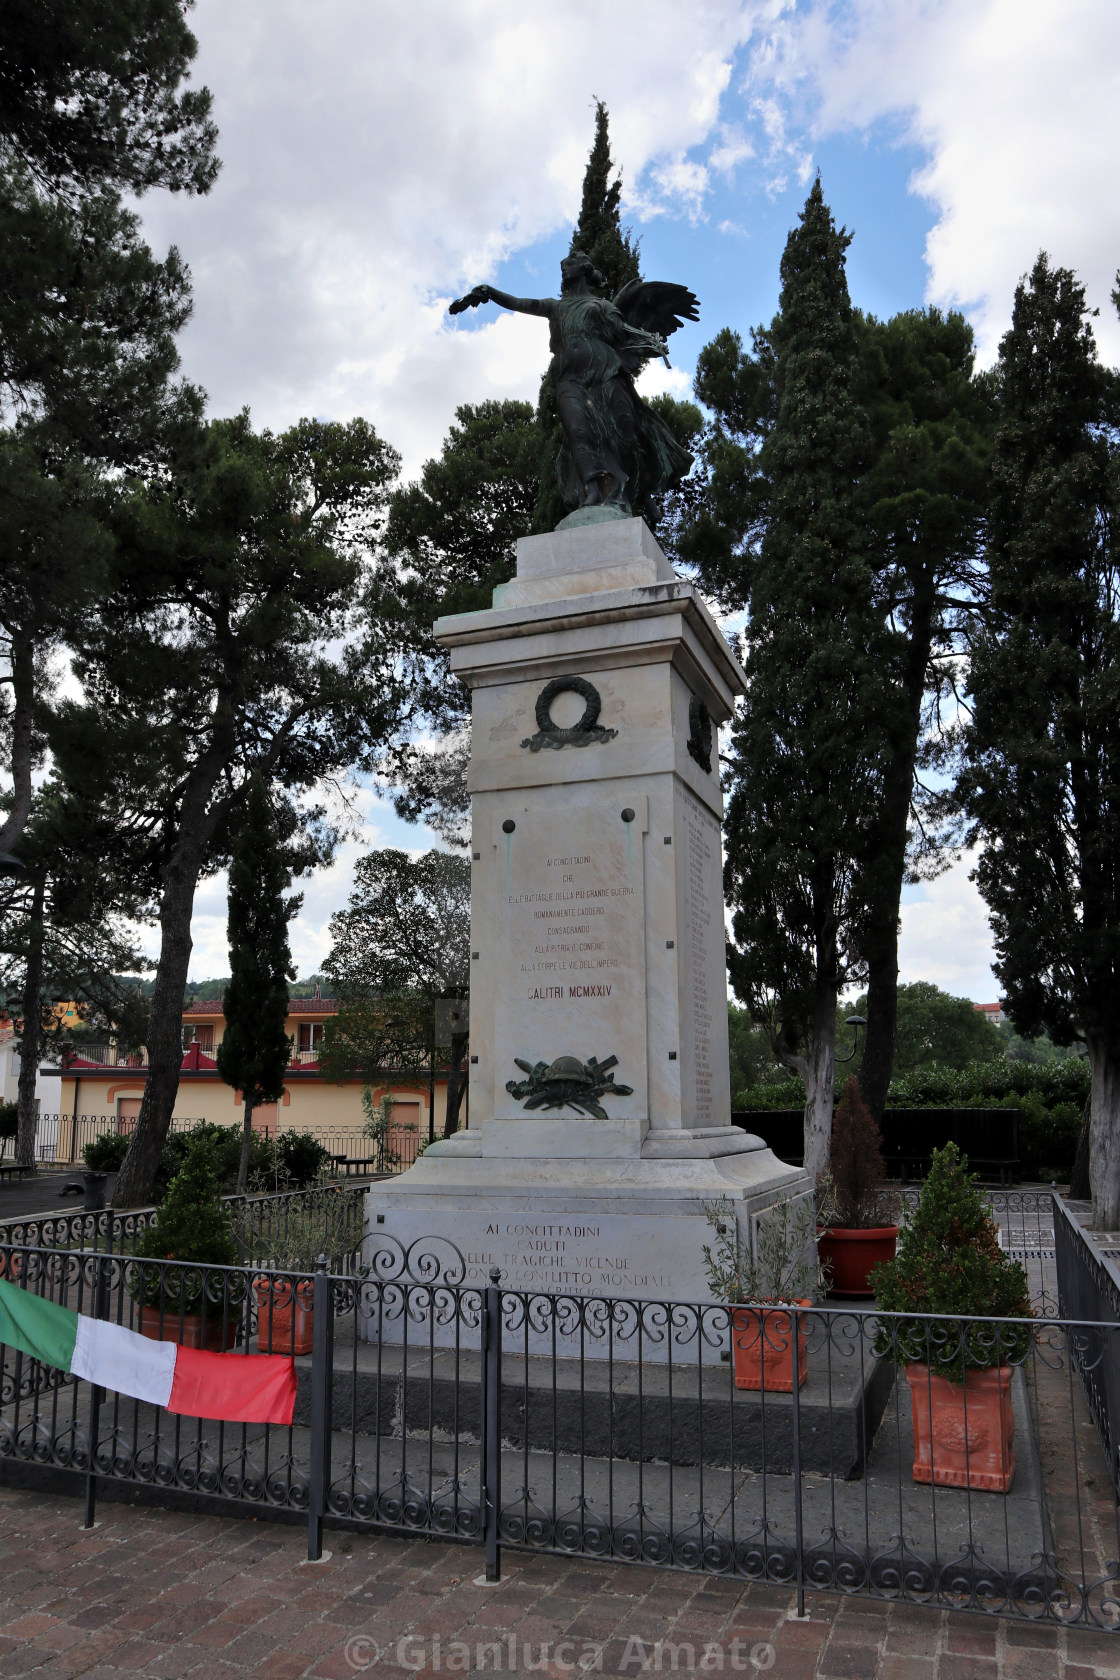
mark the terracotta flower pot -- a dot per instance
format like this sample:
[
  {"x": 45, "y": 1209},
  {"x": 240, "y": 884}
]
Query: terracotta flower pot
[
  {"x": 852, "y": 1254},
  {"x": 762, "y": 1348},
  {"x": 963, "y": 1432},
  {"x": 187, "y": 1330},
  {"x": 275, "y": 1311}
]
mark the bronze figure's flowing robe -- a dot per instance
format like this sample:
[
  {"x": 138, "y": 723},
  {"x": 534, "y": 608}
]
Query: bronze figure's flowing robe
[{"x": 618, "y": 453}]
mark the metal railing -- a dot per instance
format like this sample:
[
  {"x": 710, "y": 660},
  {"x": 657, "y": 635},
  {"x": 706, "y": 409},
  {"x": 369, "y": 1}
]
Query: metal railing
[
  {"x": 268, "y": 1229},
  {"x": 614, "y": 1429},
  {"x": 60, "y": 1138},
  {"x": 1088, "y": 1285}
]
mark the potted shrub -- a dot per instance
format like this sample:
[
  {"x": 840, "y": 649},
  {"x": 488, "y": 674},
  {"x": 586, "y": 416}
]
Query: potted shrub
[
  {"x": 959, "y": 1367},
  {"x": 190, "y": 1225},
  {"x": 783, "y": 1272},
  {"x": 862, "y": 1226}
]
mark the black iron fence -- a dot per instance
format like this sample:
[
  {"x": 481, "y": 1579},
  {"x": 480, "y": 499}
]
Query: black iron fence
[
  {"x": 817, "y": 1448},
  {"x": 1088, "y": 1286},
  {"x": 61, "y": 1138},
  {"x": 288, "y": 1229}
]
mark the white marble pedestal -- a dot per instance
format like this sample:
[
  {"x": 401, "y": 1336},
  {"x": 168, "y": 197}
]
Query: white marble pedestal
[{"x": 598, "y": 682}]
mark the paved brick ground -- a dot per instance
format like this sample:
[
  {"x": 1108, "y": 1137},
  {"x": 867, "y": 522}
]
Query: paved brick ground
[{"x": 156, "y": 1593}]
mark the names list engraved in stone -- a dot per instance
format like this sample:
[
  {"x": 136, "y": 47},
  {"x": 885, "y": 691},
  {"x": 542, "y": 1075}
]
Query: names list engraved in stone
[{"x": 700, "y": 858}]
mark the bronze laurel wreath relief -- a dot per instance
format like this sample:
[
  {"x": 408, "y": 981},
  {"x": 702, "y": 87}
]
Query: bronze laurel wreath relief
[{"x": 581, "y": 734}]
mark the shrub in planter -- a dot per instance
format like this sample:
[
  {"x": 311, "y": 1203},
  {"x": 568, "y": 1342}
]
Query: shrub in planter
[
  {"x": 960, "y": 1366},
  {"x": 191, "y": 1225},
  {"x": 783, "y": 1272},
  {"x": 862, "y": 1219}
]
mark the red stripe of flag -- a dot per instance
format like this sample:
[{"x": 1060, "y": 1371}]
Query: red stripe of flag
[{"x": 234, "y": 1387}]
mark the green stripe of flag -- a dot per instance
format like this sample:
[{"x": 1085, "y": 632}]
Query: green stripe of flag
[{"x": 37, "y": 1327}]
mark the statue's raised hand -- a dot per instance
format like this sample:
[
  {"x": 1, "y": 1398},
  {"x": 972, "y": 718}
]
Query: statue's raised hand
[{"x": 480, "y": 294}]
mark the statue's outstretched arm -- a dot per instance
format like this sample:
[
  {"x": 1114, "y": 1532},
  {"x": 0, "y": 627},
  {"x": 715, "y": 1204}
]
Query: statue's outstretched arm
[{"x": 505, "y": 300}]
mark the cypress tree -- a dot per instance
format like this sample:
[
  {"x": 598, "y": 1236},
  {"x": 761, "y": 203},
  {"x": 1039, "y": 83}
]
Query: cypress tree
[
  {"x": 253, "y": 1053},
  {"x": 1043, "y": 775},
  {"x": 807, "y": 759},
  {"x": 924, "y": 494},
  {"x": 614, "y": 252}
]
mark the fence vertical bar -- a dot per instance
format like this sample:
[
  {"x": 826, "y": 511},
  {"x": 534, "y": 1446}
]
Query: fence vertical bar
[
  {"x": 492, "y": 1422},
  {"x": 798, "y": 1524},
  {"x": 322, "y": 1384},
  {"x": 97, "y": 1393}
]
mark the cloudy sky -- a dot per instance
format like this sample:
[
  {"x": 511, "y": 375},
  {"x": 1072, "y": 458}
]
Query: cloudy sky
[{"x": 379, "y": 159}]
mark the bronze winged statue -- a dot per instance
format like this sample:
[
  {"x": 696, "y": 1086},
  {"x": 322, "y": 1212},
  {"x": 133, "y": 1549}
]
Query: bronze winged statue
[{"x": 617, "y": 452}]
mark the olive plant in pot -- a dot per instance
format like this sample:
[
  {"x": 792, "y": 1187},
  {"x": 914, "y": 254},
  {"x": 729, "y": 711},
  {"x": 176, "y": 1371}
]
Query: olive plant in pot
[
  {"x": 960, "y": 1357},
  {"x": 196, "y": 1306},
  {"x": 862, "y": 1229},
  {"x": 320, "y": 1222},
  {"x": 762, "y": 1284}
]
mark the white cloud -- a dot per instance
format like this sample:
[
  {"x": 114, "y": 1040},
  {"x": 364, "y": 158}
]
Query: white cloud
[
  {"x": 379, "y": 159},
  {"x": 1015, "y": 103},
  {"x": 945, "y": 936}
]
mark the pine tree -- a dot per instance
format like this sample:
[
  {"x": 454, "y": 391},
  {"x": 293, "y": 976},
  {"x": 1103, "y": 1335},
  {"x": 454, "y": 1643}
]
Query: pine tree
[
  {"x": 253, "y": 1053},
  {"x": 193, "y": 677},
  {"x": 614, "y": 252},
  {"x": 1043, "y": 776},
  {"x": 784, "y": 527}
]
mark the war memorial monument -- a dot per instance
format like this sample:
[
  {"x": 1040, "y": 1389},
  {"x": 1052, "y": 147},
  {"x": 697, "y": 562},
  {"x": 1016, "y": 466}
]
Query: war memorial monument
[{"x": 600, "y": 1120}]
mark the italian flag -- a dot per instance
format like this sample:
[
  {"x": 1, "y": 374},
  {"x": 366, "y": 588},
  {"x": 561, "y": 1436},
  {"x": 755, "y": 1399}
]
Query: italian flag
[{"x": 225, "y": 1387}]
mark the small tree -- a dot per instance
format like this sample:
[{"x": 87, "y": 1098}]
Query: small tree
[
  {"x": 856, "y": 1169},
  {"x": 253, "y": 1053},
  {"x": 192, "y": 1224},
  {"x": 949, "y": 1261},
  {"x": 402, "y": 941}
]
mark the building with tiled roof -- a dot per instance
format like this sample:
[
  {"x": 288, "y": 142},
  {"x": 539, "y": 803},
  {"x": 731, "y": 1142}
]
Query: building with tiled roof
[{"x": 100, "y": 1081}]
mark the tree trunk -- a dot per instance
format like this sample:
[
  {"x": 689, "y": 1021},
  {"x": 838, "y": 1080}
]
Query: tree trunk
[
  {"x": 820, "y": 1079},
  {"x": 23, "y": 718},
  {"x": 1079, "y": 1187},
  {"x": 880, "y": 943},
  {"x": 137, "y": 1178},
  {"x": 32, "y": 1030},
  {"x": 455, "y": 1084},
  {"x": 246, "y": 1144},
  {"x": 1104, "y": 1137}
]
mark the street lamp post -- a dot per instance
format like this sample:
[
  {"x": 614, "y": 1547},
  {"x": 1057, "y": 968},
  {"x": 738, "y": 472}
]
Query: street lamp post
[{"x": 855, "y": 1022}]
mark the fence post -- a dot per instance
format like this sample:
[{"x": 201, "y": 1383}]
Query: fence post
[
  {"x": 97, "y": 1393},
  {"x": 492, "y": 1422},
  {"x": 322, "y": 1384},
  {"x": 798, "y": 1515}
]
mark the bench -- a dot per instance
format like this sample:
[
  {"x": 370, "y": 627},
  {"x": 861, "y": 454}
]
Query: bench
[
  {"x": 12, "y": 1169},
  {"x": 350, "y": 1165}
]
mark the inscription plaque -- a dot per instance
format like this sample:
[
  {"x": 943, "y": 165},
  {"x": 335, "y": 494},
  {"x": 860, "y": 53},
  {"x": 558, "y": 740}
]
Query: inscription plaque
[{"x": 570, "y": 918}]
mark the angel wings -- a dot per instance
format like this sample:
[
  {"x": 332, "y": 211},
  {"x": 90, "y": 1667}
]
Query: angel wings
[{"x": 657, "y": 306}]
